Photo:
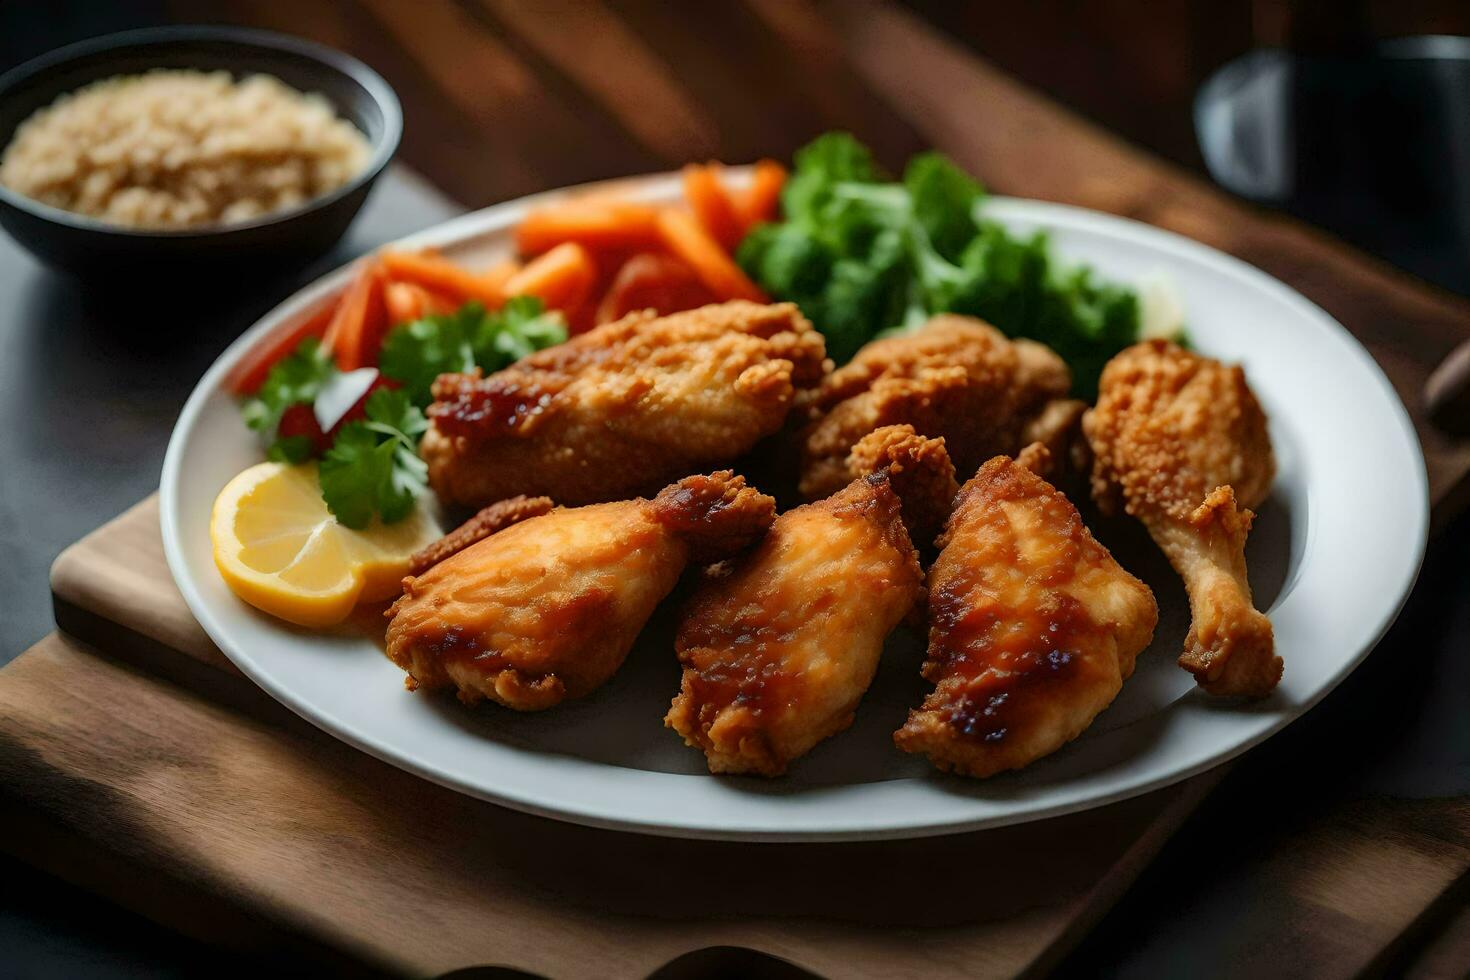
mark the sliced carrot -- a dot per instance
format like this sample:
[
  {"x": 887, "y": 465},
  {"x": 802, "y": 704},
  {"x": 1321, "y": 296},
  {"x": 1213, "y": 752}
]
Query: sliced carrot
[
  {"x": 436, "y": 303},
  {"x": 688, "y": 240},
  {"x": 499, "y": 274},
  {"x": 357, "y": 330},
  {"x": 596, "y": 224},
  {"x": 441, "y": 275},
  {"x": 711, "y": 204},
  {"x": 562, "y": 278},
  {"x": 405, "y": 301},
  {"x": 762, "y": 198},
  {"x": 250, "y": 373},
  {"x": 653, "y": 281}
]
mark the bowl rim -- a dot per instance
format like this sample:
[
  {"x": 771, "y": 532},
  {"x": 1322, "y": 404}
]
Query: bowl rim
[{"x": 375, "y": 85}]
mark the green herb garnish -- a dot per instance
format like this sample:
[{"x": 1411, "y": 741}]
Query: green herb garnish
[
  {"x": 864, "y": 256},
  {"x": 295, "y": 379},
  {"x": 416, "y": 353},
  {"x": 373, "y": 467}
]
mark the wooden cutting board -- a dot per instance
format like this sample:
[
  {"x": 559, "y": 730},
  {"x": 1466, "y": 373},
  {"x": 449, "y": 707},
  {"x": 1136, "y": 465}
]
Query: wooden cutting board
[
  {"x": 156, "y": 764},
  {"x": 159, "y": 776}
]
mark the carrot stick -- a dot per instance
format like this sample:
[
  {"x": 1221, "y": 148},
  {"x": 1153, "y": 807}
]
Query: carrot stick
[
  {"x": 561, "y": 278},
  {"x": 250, "y": 373},
  {"x": 597, "y": 224},
  {"x": 652, "y": 281},
  {"x": 710, "y": 203},
  {"x": 763, "y": 197},
  {"x": 441, "y": 275},
  {"x": 357, "y": 330},
  {"x": 689, "y": 241},
  {"x": 406, "y": 301},
  {"x": 499, "y": 274}
]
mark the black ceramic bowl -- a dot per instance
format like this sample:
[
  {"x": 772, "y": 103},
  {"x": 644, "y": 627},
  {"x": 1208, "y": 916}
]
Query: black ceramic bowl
[{"x": 96, "y": 250}]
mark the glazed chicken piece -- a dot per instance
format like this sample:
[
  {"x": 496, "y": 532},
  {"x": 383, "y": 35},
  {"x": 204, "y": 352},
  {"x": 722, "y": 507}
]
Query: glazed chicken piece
[
  {"x": 548, "y": 609},
  {"x": 1033, "y": 627},
  {"x": 955, "y": 377},
  {"x": 779, "y": 648},
  {"x": 1181, "y": 443},
  {"x": 622, "y": 409},
  {"x": 491, "y": 520}
]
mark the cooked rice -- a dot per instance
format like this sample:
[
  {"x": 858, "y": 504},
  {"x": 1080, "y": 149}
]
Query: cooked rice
[{"x": 182, "y": 149}]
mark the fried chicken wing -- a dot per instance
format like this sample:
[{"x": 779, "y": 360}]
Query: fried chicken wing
[
  {"x": 497, "y": 517},
  {"x": 623, "y": 408},
  {"x": 1033, "y": 626},
  {"x": 779, "y": 649},
  {"x": 1180, "y": 441},
  {"x": 547, "y": 609},
  {"x": 955, "y": 377}
]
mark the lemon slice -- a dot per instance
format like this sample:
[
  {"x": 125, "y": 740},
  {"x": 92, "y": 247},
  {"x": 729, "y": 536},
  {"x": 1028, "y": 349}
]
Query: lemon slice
[{"x": 282, "y": 551}]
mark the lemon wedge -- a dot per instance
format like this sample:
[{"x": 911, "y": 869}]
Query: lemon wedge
[{"x": 282, "y": 551}]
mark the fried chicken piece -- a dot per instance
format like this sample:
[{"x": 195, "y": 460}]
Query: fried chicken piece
[
  {"x": 622, "y": 409},
  {"x": 920, "y": 471},
  {"x": 1181, "y": 442},
  {"x": 955, "y": 377},
  {"x": 1033, "y": 626},
  {"x": 779, "y": 648},
  {"x": 548, "y": 609},
  {"x": 497, "y": 517}
]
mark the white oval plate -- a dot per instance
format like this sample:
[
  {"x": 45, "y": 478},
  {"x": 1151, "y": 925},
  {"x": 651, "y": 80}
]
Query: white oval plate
[{"x": 1333, "y": 557}]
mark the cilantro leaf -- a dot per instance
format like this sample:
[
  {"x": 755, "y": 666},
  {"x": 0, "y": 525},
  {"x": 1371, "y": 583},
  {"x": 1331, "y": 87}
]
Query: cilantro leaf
[
  {"x": 295, "y": 379},
  {"x": 416, "y": 353},
  {"x": 354, "y": 473},
  {"x": 373, "y": 467},
  {"x": 520, "y": 328}
]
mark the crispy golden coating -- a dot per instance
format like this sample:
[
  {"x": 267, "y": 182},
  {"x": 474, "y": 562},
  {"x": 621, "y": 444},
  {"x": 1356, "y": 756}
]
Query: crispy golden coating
[
  {"x": 920, "y": 471},
  {"x": 779, "y": 649},
  {"x": 1033, "y": 627},
  {"x": 955, "y": 377},
  {"x": 497, "y": 517},
  {"x": 623, "y": 408},
  {"x": 1180, "y": 441},
  {"x": 548, "y": 609}
]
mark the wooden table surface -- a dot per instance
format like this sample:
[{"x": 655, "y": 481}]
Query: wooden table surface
[{"x": 503, "y": 98}]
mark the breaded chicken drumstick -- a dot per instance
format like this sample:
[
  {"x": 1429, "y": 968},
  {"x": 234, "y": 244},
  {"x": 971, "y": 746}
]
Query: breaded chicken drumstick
[{"x": 1180, "y": 441}]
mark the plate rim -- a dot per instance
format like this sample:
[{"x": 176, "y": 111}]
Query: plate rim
[{"x": 496, "y": 219}]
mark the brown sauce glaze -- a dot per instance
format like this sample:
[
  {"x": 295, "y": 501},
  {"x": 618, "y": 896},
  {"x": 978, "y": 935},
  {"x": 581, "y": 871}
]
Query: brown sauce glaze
[
  {"x": 497, "y": 405},
  {"x": 999, "y": 622},
  {"x": 1002, "y": 660},
  {"x": 740, "y": 662}
]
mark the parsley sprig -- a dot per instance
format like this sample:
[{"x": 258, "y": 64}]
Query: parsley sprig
[
  {"x": 295, "y": 379},
  {"x": 864, "y": 255},
  {"x": 416, "y": 353},
  {"x": 372, "y": 468}
]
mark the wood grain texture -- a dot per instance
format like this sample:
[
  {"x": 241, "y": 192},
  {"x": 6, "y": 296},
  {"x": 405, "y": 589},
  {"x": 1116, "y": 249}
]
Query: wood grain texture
[
  {"x": 260, "y": 813},
  {"x": 1349, "y": 886}
]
